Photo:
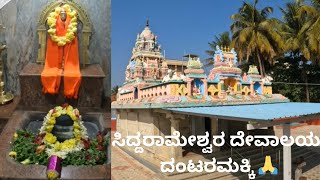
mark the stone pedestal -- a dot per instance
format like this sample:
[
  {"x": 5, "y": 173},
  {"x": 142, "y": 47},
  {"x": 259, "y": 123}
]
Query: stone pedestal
[{"x": 90, "y": 92}]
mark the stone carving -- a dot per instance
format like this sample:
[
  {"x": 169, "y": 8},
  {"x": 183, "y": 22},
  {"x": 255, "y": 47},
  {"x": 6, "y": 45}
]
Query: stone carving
[
  {"x": 253, "y": 70},
  {"x": 194, "y": 63},
  {"x": 267, "y": 80},
  {"x": 173, "y": 76},
  {"x": 245, "y": 77},
  {"x": 168, "y": 99},
  {"x": 196, "y": 91}
]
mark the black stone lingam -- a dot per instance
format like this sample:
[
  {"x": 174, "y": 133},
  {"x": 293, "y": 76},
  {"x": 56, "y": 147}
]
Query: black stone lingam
[{"x": 63, "y": 129}]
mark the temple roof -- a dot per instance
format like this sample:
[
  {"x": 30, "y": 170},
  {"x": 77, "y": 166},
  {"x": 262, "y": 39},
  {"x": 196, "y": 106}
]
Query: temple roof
[
  {"x": 147, "y": 33},
  {"x": 258, "y": 112},
  {"x": 146, "y": 44},
  {"x": 176, "y": 62}
]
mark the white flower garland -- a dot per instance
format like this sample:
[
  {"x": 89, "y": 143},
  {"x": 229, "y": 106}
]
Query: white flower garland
[{"x": 55, "y": 147}]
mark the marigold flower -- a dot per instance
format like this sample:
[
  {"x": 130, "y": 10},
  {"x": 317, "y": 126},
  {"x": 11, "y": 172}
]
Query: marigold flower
[
  {"x": 68, "y": 144},
  {"x": 76, "y": 125},
  {"x": 57, "y": 146},
  {"x": 25, "y": 162},
  {"x": 13, "y": 154},
  {"x": 49, "y": 128},
  {"x": 52, "y": 175},
  {"x": 50, "y": 138},
  {"x": 52, "y": 121},
  {"x": 15, "y": 136}
]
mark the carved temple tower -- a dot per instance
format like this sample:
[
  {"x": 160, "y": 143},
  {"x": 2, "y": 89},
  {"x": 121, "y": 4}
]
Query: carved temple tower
[{"x": 146, "y": 66}]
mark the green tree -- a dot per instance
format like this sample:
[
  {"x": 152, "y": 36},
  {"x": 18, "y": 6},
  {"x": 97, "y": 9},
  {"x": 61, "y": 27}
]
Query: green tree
[
  {"x": 115, "y": 89},
  {"x": 301, "y": 33},
  {"x": 255, "y": 34},
  {"x": 311, "y": 27},
  {"x": 296, "y": 38},
  {"x": 222, "y": 40},
  {"x": 292, "y": 32}
]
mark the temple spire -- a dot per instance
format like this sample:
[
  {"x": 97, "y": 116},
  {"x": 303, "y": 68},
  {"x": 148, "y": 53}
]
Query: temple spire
[{"x": 147, "y": 23}]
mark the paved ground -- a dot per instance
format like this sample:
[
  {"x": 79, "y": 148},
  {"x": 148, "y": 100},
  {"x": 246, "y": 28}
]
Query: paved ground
[
  {"x": 124, "y": 167},
  {"x": 313, "y": 174},
  {"x": 302, "y": 130}
]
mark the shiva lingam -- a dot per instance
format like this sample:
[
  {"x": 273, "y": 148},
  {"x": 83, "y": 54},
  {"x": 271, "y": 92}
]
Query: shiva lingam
[
  {"x": 4, "y": 97},
  {"x": 63, "y": 129}
]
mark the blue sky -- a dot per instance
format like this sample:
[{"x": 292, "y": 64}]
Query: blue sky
[{"x": 182, "y": 26}]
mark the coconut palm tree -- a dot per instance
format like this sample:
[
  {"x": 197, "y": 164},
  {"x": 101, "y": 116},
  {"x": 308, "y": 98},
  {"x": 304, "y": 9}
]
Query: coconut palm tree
[
  {"x": 255, "y": 34},
  {"x": 222, "y": 40},
  {"x": 295, "y": 36},
  {"x": 311, "y": 27}
]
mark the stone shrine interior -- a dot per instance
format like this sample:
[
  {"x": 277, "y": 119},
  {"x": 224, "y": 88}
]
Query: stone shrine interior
[
  {"x": 92, "y": 74},
  {"x": 25, "y": 79}
]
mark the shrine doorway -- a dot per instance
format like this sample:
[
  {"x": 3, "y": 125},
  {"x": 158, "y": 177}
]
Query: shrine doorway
[
  {"x": 257, "y": 88},
  {"x": 199, "y": 85},
  {"x": 135, "y": 93},
  {"x": 230, "y": 82},
  {"x": 207, "y": 126}
]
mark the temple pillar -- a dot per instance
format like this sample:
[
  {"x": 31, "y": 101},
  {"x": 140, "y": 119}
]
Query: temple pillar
[
  {"x": 215, "y": 131},
  {"x": 126, "y": 120},
  {"x": 252, "y": 89},
  {"x": 222, "y": 88},
  {"x": 189, "y": 87},
  {"x": 286, "y": 154},
  {"x": 239, "y": 88},
  {"x": 176, "y": 151},
  {"x": 205, "y": 87},
  {"x": 262, "y": 87}
]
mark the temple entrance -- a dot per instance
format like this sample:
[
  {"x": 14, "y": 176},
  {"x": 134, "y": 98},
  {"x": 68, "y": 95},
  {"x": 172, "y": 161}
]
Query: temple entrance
[
  {"x": 197, "y": 87},
  {"x": 230, "y": 84},
  {"x": 257, "y": 88},
  {"x": 135, "y": 93},
  {"x": 207, "y": 126}
]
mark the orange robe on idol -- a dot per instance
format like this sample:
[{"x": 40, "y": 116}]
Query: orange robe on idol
[{"x": 52, "y": 72}]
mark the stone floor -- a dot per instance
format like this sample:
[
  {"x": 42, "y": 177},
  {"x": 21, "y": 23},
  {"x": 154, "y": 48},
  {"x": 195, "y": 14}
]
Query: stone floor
[
  {"x": 313, "y": 173},
  {"x": 302, "y": 130},
  {"x": 124, "y": 167}
]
